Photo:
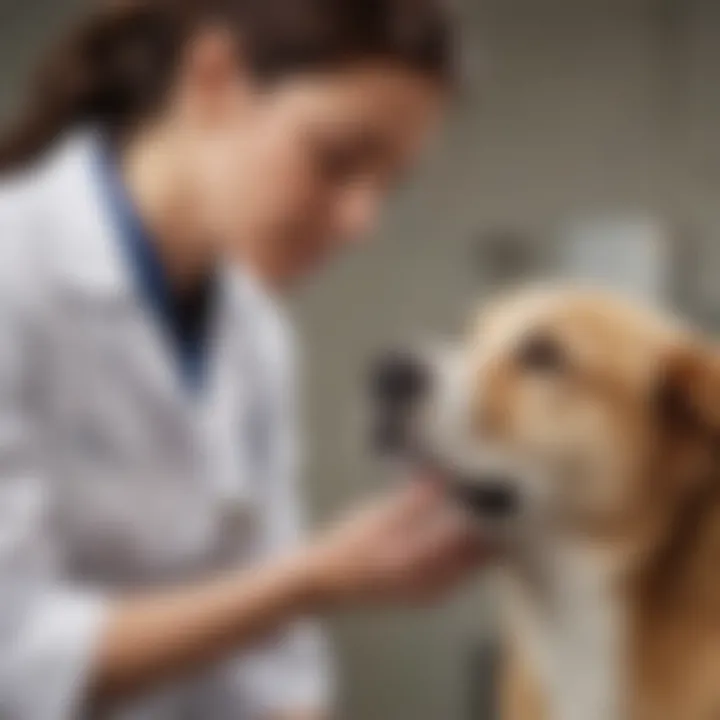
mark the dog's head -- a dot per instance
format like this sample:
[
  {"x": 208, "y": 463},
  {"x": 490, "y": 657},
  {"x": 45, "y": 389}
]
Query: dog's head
[{"x": 570, "y": 406}]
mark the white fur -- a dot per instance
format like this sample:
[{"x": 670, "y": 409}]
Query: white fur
[{"x": 569, "y": 624}]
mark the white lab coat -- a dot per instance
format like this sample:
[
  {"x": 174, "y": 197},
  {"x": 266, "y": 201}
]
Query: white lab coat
[{"x": 113, "y": 476}]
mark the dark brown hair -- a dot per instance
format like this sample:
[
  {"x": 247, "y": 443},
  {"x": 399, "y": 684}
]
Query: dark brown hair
[{"x": 115, "y": 69}]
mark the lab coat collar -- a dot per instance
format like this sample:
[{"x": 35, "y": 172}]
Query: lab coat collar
[{"x": 89, "y": 252}]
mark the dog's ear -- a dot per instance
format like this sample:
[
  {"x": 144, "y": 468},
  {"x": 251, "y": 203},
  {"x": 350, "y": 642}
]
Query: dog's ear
[
  {"x": 688, "y": 392},
  {"x": 688, "y": 408}
]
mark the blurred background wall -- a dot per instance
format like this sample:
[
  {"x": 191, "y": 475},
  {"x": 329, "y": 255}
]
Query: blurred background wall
[{"x": 571, "y": 110}]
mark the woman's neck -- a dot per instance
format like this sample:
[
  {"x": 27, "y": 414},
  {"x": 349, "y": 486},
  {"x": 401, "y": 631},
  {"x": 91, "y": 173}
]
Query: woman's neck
[
  {"x": 149, "y": 168},
  {"x": 152, "y": 169}
]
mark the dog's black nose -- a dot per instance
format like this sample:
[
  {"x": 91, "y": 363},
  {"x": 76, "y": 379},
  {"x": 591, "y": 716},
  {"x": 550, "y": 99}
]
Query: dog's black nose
[
  {"x": 399, "y": 379},
  {"x": 489, "y": 498}
]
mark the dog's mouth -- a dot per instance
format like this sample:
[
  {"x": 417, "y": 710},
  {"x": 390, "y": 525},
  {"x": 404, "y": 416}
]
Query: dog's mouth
[
  {"x": 489, "y": 494},
  {"x": 400, "y": 389}
]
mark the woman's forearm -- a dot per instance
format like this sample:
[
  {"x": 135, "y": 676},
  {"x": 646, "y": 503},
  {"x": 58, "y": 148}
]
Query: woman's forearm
[
  {"x": 150, "y": 640},
  {"x": 404, "y": 547}
]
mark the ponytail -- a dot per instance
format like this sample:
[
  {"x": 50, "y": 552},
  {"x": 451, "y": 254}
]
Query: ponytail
[
  {"x": 110, "y": 71},
  {"x": 116, "y": 68}
]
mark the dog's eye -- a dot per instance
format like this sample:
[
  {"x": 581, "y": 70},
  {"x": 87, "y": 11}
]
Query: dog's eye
[{"x": 542, "y": 353}]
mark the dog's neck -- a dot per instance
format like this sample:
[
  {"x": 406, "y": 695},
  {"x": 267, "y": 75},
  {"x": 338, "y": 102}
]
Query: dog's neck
[
  {"x": 680, "y": 563},
  {"x": 566, "y": 609},
  {"x": 587, "y": 611}
]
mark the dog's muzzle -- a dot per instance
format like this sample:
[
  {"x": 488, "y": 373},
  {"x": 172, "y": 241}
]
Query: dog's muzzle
[{"x": 400, "y": 382}]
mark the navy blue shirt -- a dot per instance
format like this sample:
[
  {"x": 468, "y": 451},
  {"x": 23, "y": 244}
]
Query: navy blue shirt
[{"x": 186, "y": 316}]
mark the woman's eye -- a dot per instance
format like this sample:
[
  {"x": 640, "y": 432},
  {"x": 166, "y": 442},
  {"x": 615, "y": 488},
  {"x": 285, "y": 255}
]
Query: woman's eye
[
  {"x": 337, "y": 164},
  {"x": 542, "y": 353}
]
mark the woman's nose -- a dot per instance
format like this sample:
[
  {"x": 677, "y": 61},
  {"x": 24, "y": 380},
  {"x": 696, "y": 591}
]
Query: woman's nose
[{"x": 358, "y": 212}]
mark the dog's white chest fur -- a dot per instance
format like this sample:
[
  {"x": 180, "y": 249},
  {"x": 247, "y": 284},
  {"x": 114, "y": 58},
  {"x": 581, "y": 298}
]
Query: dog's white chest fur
[{"x": 570, "y": 626}]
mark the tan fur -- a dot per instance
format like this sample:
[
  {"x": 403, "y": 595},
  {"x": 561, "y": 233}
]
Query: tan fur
[
  {"x": 654, "y": 511},
  {"x": 520, "y": 695}
]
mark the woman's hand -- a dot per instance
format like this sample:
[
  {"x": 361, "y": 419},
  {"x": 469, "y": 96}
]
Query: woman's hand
[{"x": 412, "y": 546}]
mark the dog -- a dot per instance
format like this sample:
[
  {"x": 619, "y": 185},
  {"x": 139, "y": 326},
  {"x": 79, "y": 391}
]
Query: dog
[{"x": 582, "y": 431}]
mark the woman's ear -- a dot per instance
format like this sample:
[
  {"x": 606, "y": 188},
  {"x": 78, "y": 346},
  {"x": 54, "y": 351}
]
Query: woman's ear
[{"x": 211, "y": 74}]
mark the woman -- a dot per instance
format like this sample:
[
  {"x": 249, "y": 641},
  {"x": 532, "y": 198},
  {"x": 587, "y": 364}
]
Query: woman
[{"x": 180, "y": 165}]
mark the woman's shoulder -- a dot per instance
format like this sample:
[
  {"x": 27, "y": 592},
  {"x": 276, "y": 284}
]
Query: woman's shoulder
[
  {"x": 26, "y": 197},
  {"x": 20, "y": 212},
  {"x": 50, "y": 215}
]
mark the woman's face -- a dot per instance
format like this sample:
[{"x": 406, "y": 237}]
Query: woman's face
[{"x": 289, "y": 174}]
